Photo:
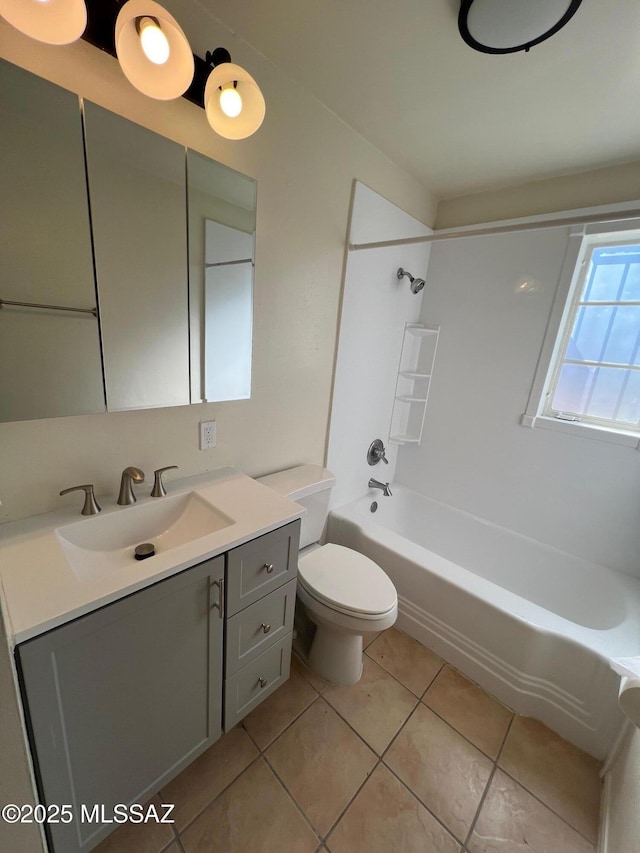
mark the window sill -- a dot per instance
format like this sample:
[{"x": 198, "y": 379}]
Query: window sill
[{"x": 626, "y": 439}]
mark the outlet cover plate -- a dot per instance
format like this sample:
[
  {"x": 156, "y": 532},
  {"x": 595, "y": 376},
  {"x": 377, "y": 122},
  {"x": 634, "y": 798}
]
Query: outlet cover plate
[{"x": 207, "y": 435}]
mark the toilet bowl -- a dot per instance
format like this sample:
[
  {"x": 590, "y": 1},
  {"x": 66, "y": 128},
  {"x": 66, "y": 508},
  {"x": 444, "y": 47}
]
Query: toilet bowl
[{"x": 344, "y": 594}]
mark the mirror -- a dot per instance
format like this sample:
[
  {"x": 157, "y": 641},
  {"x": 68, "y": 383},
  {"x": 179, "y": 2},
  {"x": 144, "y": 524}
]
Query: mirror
[
  {"x": 222, "y": 223},
  {"x": 49, "y": 358},
  {"x": 137, "y": 190},
  {"x": 172, "y": 325}
]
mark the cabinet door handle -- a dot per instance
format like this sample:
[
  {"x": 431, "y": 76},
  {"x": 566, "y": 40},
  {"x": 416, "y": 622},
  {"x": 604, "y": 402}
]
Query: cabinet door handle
[
  {"x": 268, "y": 567},
  {"x": 220, "y": 602},
  {"x": 262, "y": 682},
  {"x": 265, "y": 628}
]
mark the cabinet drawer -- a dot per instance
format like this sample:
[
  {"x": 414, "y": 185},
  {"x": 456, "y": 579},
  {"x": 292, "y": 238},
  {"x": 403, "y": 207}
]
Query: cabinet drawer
[
  {"x": 262, "y": 565},
  {"x": 255, "y": 681},
  {"x": 259, "y": 626}
]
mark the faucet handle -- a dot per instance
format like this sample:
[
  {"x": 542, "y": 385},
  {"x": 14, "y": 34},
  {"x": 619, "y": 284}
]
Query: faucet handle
[
  {"x": 376, "y": 452},
  {"x": 91, "y": 505},
  {"x": 159, "y": 490}
]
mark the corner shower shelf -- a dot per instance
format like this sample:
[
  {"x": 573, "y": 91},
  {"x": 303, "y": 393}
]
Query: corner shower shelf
[{"x": 412, "y": 385}]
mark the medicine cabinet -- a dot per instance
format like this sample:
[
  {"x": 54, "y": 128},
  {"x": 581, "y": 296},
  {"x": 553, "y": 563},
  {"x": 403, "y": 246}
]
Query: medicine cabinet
[{"x": 112, "y": 296}]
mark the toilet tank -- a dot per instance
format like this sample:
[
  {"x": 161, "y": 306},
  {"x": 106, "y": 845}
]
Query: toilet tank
[{"x": 309, "y": 485}]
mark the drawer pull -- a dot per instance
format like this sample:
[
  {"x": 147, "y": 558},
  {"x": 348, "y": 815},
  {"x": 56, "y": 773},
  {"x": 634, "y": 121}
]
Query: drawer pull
[
  {"x": 265, "y": 628},
  {"x": 268, "y": 567},
  {"x": 262, "y": 682}
]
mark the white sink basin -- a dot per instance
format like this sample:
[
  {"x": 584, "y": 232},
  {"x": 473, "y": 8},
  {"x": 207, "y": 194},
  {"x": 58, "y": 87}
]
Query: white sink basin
[{"x": 107, "y": 542}]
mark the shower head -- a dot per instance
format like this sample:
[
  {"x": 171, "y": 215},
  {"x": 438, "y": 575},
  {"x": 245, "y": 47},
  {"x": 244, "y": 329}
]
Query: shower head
[{"x": 416, "y": 283}]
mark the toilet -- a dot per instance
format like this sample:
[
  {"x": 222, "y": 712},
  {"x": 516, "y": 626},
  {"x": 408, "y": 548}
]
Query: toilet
[{"x": 343, "y": 593}]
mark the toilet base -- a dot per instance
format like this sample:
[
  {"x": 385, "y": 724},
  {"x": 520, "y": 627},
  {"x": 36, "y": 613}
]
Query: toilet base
[{"x": 336, "y": 656}]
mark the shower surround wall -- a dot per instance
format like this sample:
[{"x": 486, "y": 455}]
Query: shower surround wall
[
  {"x": 375, "y": 309},
  {"x": 578, "y": 494}
]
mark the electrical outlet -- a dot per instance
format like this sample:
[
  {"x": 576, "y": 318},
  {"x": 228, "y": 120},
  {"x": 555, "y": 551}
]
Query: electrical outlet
[{"x": 207, "y": 435}]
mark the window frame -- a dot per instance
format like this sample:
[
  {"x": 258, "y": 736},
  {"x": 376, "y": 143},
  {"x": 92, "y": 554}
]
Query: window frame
[{"x": 582, "y": 240}]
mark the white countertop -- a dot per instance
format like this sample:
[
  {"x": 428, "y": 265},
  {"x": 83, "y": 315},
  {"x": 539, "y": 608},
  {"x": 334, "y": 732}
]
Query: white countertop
[{"x": 39, "y": 590}]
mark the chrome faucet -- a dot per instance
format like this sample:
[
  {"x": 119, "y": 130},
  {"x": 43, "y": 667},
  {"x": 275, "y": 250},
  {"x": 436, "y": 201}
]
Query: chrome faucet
[
  {"x": 129, "y": 477},
  {"x": 376, "y": 484}
]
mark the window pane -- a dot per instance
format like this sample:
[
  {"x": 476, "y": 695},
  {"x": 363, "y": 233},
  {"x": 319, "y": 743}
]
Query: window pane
[
  {"x": 589, "y": 332},
  {"x": 604, "y": 284},
  {"x": 606, "y": 392},
  {"x": 631, "y": 289},
  {"x": 573, "y": 388},
  {"x": 622, "y": 345},
  {"x": 629, "y": 411}
]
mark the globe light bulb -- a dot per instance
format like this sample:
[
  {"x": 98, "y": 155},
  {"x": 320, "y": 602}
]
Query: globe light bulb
[
  {"x": 154, "y": 42},
  {"x": 230, "y": 102}
]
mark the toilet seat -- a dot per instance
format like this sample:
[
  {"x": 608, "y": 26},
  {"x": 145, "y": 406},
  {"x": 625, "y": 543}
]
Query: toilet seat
[{"x": 347, "y": 581}]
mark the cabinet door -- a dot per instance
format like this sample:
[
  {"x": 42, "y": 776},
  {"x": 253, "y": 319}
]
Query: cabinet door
[
  {"x": 137, "y": 190},
  {"x": 49, "y": 359},
  {"x": 120, "y": 700}
]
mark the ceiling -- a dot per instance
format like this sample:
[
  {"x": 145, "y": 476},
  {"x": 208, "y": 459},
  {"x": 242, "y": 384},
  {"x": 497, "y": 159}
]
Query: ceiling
[{"x": 460, "y": 121}]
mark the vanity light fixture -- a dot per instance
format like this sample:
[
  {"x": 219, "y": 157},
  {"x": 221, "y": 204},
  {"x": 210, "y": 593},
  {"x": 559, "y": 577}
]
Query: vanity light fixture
[
  {"x": 50, "y": 21},
  {"x": 154, "y": 55},
  {"x": 233, "y": 101},
  {"x": 507, "y": 26},
  {"x": 152, "y": 50}
]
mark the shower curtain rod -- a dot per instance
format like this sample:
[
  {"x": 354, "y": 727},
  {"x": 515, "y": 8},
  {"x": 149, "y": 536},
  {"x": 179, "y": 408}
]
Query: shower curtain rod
[{"x": 471, "y": 231}]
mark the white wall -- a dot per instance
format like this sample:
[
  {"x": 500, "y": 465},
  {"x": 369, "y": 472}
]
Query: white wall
[
  {"x": 610, "y": 185},
  {"x": 577, "y": 494},
  {"x": 304, "y": 160},
  {"x": 375, "y": 308}
]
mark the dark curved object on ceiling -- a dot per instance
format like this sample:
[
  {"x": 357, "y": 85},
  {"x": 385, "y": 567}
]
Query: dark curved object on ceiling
[{"x": 466, "y": 5}]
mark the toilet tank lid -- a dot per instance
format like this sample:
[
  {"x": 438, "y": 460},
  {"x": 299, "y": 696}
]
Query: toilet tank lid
[{"x": 297, "y": 483}]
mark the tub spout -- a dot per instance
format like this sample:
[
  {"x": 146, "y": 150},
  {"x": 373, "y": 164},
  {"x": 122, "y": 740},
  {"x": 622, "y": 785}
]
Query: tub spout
[{"x": 376, "y": 484}]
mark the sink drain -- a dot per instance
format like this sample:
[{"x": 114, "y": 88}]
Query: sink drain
[{"x": 144, "y": 551}]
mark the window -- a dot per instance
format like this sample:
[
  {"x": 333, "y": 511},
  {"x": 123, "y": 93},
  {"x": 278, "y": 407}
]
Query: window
[
  {"x": 593, "y": 379},
  {"x": 596, "y": 376}
]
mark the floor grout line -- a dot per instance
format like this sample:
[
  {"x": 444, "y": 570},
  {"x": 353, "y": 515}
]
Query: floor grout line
[
  {"x": 546, "y": 805},
  {"x": 488, "y": 785},
  {"x": 462, "y": 735},
  {"x": 423, "y": 804},
  {"x": 317, "y": 834},
  {"x": 349, "y": 804},
  {"x": 190, "y": 823}
]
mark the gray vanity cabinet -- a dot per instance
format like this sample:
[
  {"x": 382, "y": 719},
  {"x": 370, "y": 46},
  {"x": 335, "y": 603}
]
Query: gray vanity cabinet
[
  {"x": 120, "y": 700},
  {"x": 261, "y": 596}
]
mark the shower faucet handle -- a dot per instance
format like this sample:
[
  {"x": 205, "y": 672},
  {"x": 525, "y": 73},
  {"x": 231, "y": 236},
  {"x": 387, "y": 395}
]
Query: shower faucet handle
[{"x": 376, "y": 452}]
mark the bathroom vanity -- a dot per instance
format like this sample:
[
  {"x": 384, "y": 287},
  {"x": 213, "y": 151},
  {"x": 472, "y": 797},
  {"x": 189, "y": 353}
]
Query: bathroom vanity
[{"x": 149, "y": 661}]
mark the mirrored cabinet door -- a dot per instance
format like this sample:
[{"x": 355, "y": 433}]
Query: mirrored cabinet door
[
  {"x": 222, "y": 223},
  {"x": 49, "y": 358},
  {"x": 137, "y": 187}
]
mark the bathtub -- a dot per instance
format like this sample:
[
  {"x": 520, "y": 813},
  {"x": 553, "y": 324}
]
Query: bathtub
[{"x": 532, "y": 625}]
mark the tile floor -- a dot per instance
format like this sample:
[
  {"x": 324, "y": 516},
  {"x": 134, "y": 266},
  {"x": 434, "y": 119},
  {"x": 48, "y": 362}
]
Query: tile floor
[{"x": 414, "y": 759}]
